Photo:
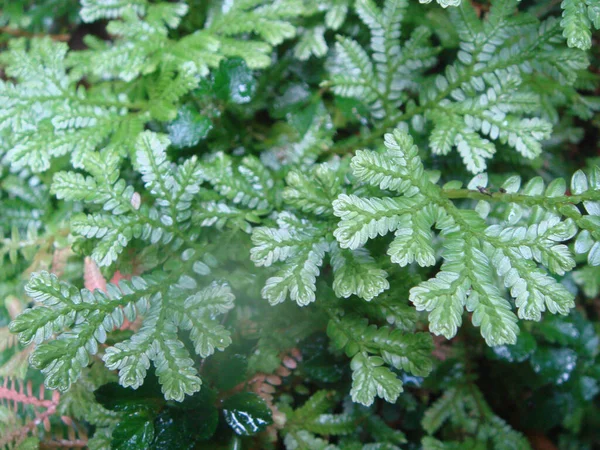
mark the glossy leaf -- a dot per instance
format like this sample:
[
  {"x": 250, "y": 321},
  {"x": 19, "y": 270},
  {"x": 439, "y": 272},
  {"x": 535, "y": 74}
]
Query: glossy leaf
[{"x": 246, "y": 413}]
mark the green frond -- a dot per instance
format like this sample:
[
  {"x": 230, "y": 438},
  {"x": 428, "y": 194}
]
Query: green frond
[
  {"x": 92, "y": 10},
  {"x": 371, "y": 379},
  {"x": 464, "y": 407},
  {"x": 577, "y": 19},
  {"x": 355, "y": 273},
  {"x": 83, "y": 319},
  {"x": 473, "y": 253},
  {"x": 247, "y": 184},
  {"x": 402, "y": 351},
  {"x": 380, "y": 80}
]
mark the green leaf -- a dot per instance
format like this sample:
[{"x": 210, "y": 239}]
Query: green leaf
[
  {"x": 579, "y": 182},
  {"x": 576, "y": 24},
  {"x": 93, "y": 10},
  {"x": 303, "y": 439},
  {"x": 439, "y": 412},
  {"x": 371, "y": 379},
  {"x": 356, "y": 273},
  {"x": 181, "y": 427},
  {"x": 118, "y": 398},
  {"x": 246, "y": 413},
  {"x": 234, "y": 82},
  {"x": 188, "y": 128},
  {"x": 135, "y": 431},
  {"x": 312, "y": 42},
  {"x": 554, "y": 365},
  {"x": 589, "y": 279}
]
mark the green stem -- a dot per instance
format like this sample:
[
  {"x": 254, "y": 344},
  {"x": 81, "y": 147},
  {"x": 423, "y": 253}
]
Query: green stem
[{"x": 528, "y": 200}]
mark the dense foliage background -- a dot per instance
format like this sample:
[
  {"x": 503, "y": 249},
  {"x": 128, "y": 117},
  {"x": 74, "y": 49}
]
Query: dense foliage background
[{"x": 197, "y": 203}]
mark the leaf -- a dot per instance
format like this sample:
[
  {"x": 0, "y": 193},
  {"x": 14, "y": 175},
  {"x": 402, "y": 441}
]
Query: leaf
[
  {"x": 135, "y": 431},
  {"x": 304, "y": 439},
  {"x": 118, "y": 398},
  {"x": 444, "y": 296},
  {"x": 234, "y": 82},
  {"x": 246, "y": 413},
  {"x": 576, "y": 24},
  {"x": 356, "y": 273},
  {"x": 439, "y": 412},
  {"x": 312, "y": 42},
  {"x": 182, "y": 427},
  {"x": 554, "y": 365},
  {"x": 92, "y": 10},
  {"x": 370, "y": 379},
  {"x": 188, "y": 128},
  {"x": 579, "y": 182}
]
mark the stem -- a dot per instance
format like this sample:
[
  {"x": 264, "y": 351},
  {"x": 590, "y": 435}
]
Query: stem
[
  {"x": 529, "y": 200},
  {"x": 22, "y": 33}
]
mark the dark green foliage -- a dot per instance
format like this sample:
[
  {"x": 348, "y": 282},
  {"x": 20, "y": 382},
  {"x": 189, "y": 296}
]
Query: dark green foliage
[{"x": 300, "y": 224}]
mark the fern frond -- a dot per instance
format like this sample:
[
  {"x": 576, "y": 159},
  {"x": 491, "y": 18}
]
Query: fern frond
[
  {"x": 471, "y": 248},
  {"x": 380, "y": 80},
  {"x": 47, "y": 115},
  {"x": 83, "y": 319},
  {"x": 465, "y": 407},
  {"x": 35, "y": 409},
  {"x": 408, "y": 352}
]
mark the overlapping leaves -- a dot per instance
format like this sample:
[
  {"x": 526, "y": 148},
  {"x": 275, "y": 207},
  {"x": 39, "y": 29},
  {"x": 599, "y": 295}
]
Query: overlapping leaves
[{"x": 471, "y": 250}]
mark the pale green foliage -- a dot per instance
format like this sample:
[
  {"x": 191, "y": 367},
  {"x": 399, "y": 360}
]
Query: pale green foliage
[
  {"x": 268, "y": 20},
  {"x": 312, "y": 416},
  {"x": 588, "y": 240},
  {"x": 483, "y": 100},
  {"x": 472, "y": 251},
  {"x": 370, "y": 347},
  {"x": 44, "y": 115},
  {"x": 145, "y": 44},
  {"x": 311, "y": 40},
  {"x": 483, "y": 97},
  {"x": 166, "y": 305},
  {"x": 381, "y": 79},
  {"x": 589, "y": 280},
  {"x": 83, "y": 319},
  {"x": 92, "y": 10},
  {"x": 49, "y": 116},
  {"x": 443, "y": 3},
  {"x": 121, "y": 219},
  {"x": 302, "y": 243},
  {"x": 304, "y": 439},
  {"x": 273, "y": 193},
  {"x": 247, "y": 184},
  {"x": 578, "y": 18}
]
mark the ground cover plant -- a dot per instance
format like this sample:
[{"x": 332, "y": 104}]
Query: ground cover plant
[{"x": 333, "y": 224}]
